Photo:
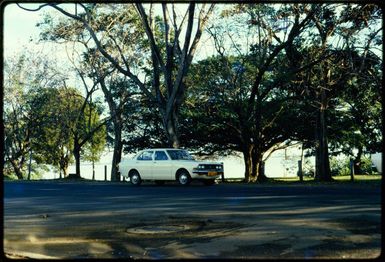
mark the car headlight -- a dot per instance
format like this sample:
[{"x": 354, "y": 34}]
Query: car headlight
[{"x": 199, "y": 167}]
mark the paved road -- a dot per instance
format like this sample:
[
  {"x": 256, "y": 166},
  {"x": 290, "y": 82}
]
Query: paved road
[{"x": 116, "y": 220}]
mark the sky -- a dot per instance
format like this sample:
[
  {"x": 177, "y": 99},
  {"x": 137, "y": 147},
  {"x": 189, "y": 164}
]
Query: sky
[
  {"x": 19, "y": 29},
  {"x": 20, "y": 33}
]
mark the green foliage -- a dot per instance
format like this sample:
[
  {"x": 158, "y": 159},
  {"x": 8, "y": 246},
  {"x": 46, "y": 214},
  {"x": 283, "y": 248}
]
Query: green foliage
[
  {"x": 340, "y": 166},
  {"x": 57, "y": 119},
  {"x": 19, "y": 83},
  {"x": 94, "y": 148},
  {"x": 52, "y": 115}
]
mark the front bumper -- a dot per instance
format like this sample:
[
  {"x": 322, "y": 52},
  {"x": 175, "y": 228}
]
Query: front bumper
[{"x": 207, "y": 173}]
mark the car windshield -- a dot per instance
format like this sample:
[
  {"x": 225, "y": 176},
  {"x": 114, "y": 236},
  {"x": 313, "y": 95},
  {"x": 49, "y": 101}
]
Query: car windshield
[{"x": 179, "y": 155}]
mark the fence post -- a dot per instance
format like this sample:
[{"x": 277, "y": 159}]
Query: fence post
[
  {"x": 351, "y": 165},
  {"x": 105, "y": 173},
  {"x": 300, "y": 174}
]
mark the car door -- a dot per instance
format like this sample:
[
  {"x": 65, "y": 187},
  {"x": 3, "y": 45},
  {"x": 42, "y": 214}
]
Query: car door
[
  {"x": 144, "y": 164},
  {"x": 162, "y": 166}
]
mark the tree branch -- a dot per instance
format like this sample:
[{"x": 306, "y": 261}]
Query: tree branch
[{"x": 103, "y": 51}]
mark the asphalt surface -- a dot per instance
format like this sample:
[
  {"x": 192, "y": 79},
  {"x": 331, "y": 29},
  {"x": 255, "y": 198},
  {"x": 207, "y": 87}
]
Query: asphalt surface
[{"x": 55, "y": 219}]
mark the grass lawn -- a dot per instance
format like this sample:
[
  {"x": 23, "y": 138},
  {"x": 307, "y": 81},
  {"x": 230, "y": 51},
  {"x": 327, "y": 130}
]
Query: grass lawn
[{"x": 358, "y": 179}]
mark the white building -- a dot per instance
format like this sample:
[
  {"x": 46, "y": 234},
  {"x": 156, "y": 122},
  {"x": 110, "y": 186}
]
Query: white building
[{"x": 377, "y": 161}]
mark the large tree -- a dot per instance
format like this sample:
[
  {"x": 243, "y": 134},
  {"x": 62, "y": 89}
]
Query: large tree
[
  {"x": 153, "y": 49},
  {"x": 23, "y": 73},
  {"x": 64, "y": 127},
  {"x": 334, "y": 28},
  {"x": 257, "y": 99},
  {"x": 92, "y": 65},
  {"x": 212, "y": 115},
  {"x": 171, "y": 49},
  {"x": 358, "y": 131}
]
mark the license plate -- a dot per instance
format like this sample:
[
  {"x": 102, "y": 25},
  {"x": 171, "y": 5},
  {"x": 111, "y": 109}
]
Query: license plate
[{"x": 212, "y": 173}]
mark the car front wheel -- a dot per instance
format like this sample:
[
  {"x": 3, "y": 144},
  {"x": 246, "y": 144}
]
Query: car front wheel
[
  {"x": 184, "y": 178},
  {"x": 135, "y": 178}
]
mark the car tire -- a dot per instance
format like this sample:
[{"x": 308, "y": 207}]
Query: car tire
[
  {"x": 184, "y": 178},
  {"x": 135, "y": 178},
  {"x": 209, "y": 182}
]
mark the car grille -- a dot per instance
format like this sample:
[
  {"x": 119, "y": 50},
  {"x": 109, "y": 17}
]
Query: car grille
[{"x": 213, "y": 167}]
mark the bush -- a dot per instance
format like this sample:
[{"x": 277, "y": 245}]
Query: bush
[{"x": 340, "y": 166}]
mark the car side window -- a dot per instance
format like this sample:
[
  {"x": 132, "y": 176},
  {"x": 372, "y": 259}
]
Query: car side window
[
  {"x": 160, "y": 155},
  {"x": 145, "y": 156}
]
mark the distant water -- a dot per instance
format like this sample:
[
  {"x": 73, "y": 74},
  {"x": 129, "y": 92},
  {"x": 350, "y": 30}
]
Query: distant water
[{"x": 275, "y": 166}]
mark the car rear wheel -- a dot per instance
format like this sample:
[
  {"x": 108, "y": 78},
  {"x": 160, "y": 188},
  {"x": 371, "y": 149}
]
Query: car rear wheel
[
  {"x": 135, "y": 178},
  {"x": 184, "y": 178}
]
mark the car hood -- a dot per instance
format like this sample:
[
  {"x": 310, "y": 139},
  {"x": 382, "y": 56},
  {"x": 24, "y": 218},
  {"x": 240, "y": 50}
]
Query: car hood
[{"x": 209, "y": 163}]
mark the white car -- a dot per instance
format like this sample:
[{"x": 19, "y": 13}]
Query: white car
[{"x": 168, "y": 164}]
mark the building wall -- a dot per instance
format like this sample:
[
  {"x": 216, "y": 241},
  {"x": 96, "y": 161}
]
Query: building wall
[{"x": 377, "y": 161}]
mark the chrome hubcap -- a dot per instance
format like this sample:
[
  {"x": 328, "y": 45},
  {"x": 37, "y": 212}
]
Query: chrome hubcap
[
  {"x": 183, "y": 179},
  {"x": 135, "y": 179}
]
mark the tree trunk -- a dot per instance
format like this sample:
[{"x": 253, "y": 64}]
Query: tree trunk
[
  {"x": 247, "y": 157},
  {"x": 254, "y": 166},
  {"x": 93, "y": 170},
  {"x": 171, "y": 127},
  {"x": 322, "y": 151},
  {"x": 248, "y": 165},
  {"x": 63, "y": 165},
  {"x": 260, "y": 167},
  {"x": 118, "y": 146},
  {"x": 76, "y": 152},
  {"x": 116, "y": 113},
  {"x": 17, "y": 169},
  {"x": 30, "y": 165}
]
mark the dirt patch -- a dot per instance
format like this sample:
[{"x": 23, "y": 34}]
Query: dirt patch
[
  {"x": 341, "y": 249},
  {"x": 362, "y": 225},
  {"x": 167, "y": 227},
  {"x": 188, "y": 228},
  {"x": 161, "y": 239},
  {"x": 261, "y": 251}
]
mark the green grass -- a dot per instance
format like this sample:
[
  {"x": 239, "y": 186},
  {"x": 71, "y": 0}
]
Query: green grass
[
  {"x": 371, "y": 180},
  {"x": 358, "y": 179}
]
